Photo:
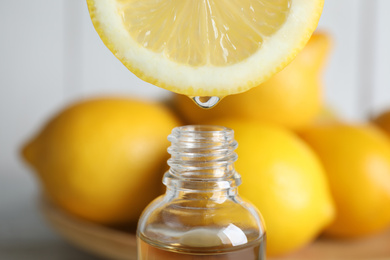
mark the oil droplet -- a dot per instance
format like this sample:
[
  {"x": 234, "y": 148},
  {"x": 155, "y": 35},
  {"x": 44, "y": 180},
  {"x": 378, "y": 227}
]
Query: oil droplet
[{"x": 206, "y": 102}]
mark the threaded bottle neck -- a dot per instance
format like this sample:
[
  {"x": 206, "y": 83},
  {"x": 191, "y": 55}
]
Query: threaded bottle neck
[{"x": 202, "y": 157}]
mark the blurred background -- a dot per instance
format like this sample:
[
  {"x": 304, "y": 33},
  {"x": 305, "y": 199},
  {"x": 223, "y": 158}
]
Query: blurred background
[{"x": 51, "y": 55}]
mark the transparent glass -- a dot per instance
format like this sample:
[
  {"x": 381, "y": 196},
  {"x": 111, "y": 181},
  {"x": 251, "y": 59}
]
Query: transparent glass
[{"x": 201, "y": 216}]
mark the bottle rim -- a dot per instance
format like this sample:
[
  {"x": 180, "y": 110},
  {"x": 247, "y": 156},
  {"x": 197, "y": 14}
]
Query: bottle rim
[{"x": 202, "y": 155}]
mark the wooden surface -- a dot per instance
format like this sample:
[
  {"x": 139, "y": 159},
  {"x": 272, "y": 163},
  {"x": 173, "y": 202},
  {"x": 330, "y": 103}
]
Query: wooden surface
[
  {"x": 99, "y": 240},
  {"x": 120, "y": 245}
]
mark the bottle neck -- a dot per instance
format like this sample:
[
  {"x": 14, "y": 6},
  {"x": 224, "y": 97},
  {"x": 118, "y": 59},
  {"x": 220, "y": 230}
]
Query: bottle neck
[{"x": 202, "y": 159}]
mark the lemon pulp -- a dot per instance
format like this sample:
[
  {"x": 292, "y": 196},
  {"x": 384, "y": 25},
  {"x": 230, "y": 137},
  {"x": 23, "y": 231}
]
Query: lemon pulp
[{"x": 208, "y": 32}]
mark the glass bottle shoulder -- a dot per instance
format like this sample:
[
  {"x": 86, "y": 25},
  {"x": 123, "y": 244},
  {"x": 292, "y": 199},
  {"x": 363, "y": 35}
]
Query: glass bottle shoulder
[{"x": 201, "y": 219}]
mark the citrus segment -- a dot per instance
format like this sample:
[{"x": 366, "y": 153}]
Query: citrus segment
[{"x": 205, "y": 48}]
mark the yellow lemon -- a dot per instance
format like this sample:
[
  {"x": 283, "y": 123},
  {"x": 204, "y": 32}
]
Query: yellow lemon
[
  {"x": 357, "y": 163},
  {"x": 292, "y": 98},
  {"x": 102, "y": 159},
  {"x": 284, "y": 179},
  {"x": 205, "y": 48}
]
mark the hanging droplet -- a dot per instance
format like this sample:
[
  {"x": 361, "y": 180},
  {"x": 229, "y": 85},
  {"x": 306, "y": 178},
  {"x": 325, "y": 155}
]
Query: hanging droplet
[{"x": 206, "y": 102}]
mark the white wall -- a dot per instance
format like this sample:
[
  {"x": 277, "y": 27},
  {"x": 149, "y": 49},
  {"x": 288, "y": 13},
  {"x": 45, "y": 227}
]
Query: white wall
[
  {"x": 50, "y": 54},
  {"x": 357, "y": 81}
]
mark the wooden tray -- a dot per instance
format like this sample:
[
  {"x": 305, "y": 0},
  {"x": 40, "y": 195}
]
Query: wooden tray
[{"x": 120, "y": 245}]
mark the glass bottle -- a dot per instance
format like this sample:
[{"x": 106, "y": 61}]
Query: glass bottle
[{"x": 201, "y": 216}]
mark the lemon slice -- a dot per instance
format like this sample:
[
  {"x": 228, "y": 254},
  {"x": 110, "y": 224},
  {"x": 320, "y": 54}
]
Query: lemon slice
[{"x": 205, "y": 47}]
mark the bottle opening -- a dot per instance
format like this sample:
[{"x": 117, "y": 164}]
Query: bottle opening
[
  {"x": 203, "y": 128},
  {"x": 202, "y": 136}
]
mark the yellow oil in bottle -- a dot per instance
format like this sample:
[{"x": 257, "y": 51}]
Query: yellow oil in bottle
[{"x": 149, "y": 250}]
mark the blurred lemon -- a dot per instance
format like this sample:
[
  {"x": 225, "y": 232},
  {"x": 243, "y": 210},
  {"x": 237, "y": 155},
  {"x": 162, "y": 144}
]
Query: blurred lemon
[
  {"x": 357, "y": 163},
  {"x": 291, "y": 98},
  {"x": 102, "y": 159},
  {"x": 284, "y": 179},
  {"x": 383, "y": 121}
]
